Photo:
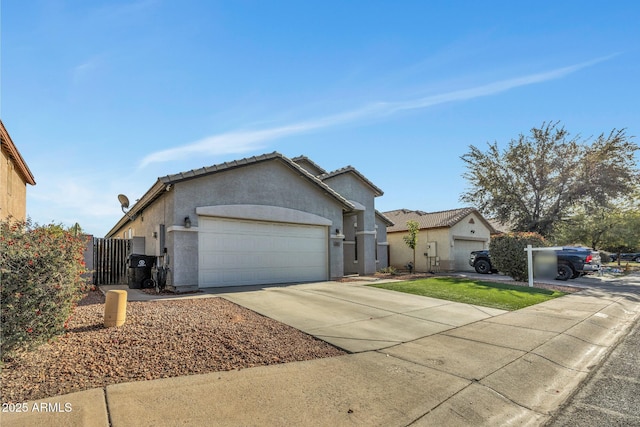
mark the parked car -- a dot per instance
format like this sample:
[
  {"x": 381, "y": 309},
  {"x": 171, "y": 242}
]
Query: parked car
[
  {"x": 577, "y": 261},
  {"x": 481, "y": 262},
  {"x": 572, "y": 262},
  {"x": 626, "y": 257}
]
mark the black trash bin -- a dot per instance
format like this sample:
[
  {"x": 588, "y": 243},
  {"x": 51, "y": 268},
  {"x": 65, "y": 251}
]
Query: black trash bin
[{"x": 140, "y": 270}]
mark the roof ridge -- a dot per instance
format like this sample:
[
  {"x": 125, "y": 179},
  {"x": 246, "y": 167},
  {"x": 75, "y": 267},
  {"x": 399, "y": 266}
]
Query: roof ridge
[
  {"x": 314, "y": 164},
  {"x": 443, "y": 218},
  {"x": 219, "y": 166},
  {"x": 359, "y": 174},
  {"x": 14, "y": 153}
]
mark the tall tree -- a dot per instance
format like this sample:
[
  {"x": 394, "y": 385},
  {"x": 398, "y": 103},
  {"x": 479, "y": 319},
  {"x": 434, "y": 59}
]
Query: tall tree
[
  {"x": 536, "y": 181},
  {"x": 624, "y": 235},
  {"x": 602, "y": 227}
]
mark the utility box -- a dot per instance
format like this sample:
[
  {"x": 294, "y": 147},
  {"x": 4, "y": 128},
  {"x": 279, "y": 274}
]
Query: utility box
[
  {"x": 138, "y": 245},
  {"x": 160, "y": 244},
  {"x": 432, "y": 248}
]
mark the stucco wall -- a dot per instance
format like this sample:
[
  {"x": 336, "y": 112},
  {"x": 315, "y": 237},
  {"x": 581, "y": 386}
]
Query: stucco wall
[
  {"x": 267, "y": 183},
  {"x": 471, "y": 227},
  {"x": 350, "y": 261},
  {"x": 383, "y": 245},
  {"x": 13, "y": 190},
  {"x": 401, "y": 254}
]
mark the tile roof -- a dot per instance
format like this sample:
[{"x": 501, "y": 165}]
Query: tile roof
[
  {"x": 384, "y": 218},
  {"x": 351, "y": 169},
  {"x": 299, "y": 159},
  {"x": 208, "y": 170},
  {"x": 439, "y": 219}
]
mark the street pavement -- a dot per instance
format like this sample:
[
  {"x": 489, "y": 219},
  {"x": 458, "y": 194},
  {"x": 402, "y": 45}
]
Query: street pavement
[{"x": 611, "y": 395}]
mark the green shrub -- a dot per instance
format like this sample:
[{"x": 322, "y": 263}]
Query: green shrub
[
  {"x": 508, "y": 255},
  {"x": 40, "y": 282}
]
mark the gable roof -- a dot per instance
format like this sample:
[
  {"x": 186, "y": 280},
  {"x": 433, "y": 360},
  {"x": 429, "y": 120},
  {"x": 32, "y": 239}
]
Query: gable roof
[
  {"x": 161, "y": 184},
  {"x": 305, "y": 159},
  {"x": 351, "y": 169},
  {"x": 426, "y": 220},
  {"x": 196, "y": 173},
  {"x": 12, "y": 151}
]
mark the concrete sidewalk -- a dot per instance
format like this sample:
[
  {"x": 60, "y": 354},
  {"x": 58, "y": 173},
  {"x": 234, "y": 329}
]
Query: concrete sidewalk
[{"x": 512, "y": 368}]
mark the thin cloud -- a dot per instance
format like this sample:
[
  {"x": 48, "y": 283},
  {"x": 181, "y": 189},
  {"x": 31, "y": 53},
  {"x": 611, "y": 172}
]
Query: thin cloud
[
  {"x": 245, "y": 141},
  {"x": 489, "y": 89},
  {"x": 86, "y": 69}
]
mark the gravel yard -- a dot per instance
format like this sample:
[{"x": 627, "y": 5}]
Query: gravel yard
[{"x": 159, "y": 339}]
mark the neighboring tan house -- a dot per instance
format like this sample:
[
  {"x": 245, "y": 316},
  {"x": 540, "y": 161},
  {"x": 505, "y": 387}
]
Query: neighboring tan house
[
  {"x": 14, "y": 177},
  {"x": 445, "y": 239},
  {"x": 259, "y": 220}
]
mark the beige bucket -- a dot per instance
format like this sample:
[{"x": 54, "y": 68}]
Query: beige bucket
[{"x": 115, "y": 308}]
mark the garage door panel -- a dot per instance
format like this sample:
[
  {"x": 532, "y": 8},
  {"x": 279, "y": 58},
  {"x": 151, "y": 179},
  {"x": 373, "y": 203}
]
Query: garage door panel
[
  {"x": 242, "y": 252},
  {"x": 462, "y": 251}
]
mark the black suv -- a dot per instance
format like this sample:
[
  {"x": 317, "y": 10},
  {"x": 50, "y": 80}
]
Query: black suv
[{"x": 572, "y": 262}]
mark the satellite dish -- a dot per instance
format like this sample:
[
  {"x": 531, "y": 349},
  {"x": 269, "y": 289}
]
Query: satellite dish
[
  {"x": 124, "y": 201},
  {"x": 124, "y": 204}
]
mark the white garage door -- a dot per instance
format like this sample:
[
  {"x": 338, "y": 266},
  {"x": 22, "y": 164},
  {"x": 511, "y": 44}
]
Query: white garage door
[
  {"x": 243, "y": 252},
  {"x": 461, "y": 251}
]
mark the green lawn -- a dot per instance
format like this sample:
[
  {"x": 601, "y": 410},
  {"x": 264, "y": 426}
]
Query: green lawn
[{"x": 488, "y": 294}]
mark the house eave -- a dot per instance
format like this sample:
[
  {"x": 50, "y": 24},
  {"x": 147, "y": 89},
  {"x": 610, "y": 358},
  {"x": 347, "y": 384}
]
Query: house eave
[
  {"x": 157, "y": 190},
  {"x": 12, "y": 151}
]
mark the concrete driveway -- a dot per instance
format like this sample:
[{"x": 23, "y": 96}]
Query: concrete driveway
[{"x": 358, "y": 318}]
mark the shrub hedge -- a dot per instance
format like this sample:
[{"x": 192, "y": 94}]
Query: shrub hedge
[
  {"x": 508, "y": 252},
  {"x": 40, "y": 282}
]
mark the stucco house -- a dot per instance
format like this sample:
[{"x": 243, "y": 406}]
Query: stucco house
[
  {"x": 259, "y": 220},
  {"x": 14, "y": 177},
  {"x": 445, "y": 238}
]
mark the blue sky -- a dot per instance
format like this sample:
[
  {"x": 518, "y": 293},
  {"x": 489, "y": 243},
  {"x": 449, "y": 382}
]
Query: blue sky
[{"x": 103, "y": 97}]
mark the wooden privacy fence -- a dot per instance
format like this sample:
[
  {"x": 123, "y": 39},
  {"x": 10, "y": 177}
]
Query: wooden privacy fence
[{"x": 110, "y": 261}]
